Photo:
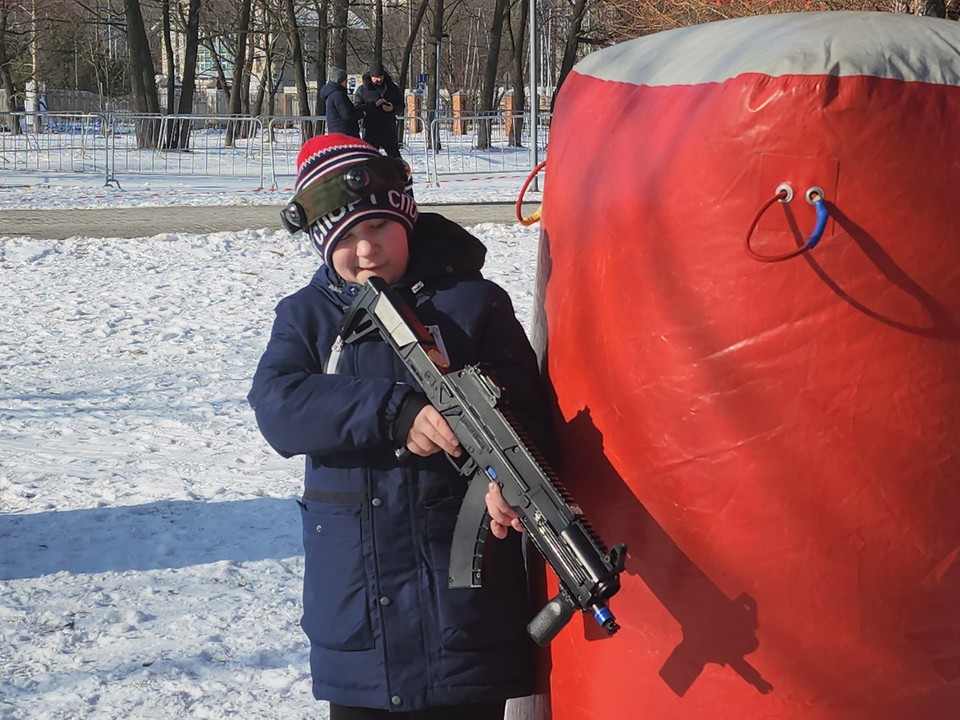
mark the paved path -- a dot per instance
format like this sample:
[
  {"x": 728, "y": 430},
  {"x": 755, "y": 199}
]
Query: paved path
[{"x": 144, "y": 222}]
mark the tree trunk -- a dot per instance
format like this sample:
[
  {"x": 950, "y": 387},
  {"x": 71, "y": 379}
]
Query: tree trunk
[
  {"x": 293, "y": 40},
  {"x": 247, "y": 77},
  {"x": 488, "y": 90},
  {"x": 323, "y": 42},
  {"x": 408, "y": 48},
  {"x": 519, "y": 70},
  {"x": 189, "y": 81},
  {"x": 571, "y": 46},
  {"x": 378, "y": 32},
  {"x": 168, "y": 53},
  {"x": 239, "y": 71},
  {"x": 14, "y": 99},
  {"x": 433, "y": 95},
  {"x": 142, "y": 75},
  {"x": 338, "y": 50}
]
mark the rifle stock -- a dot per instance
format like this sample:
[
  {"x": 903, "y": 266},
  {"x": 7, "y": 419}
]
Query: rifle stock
[{"x": 588, "y": 573}]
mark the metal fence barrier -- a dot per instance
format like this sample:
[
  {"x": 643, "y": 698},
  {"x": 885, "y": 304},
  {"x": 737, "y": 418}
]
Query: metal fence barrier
[
  {"x": 119, "y": 144},
  {"x": 190, "y": 145},
  {"x": 53, "y": 142},
  {"x": 482, "y": 143}
]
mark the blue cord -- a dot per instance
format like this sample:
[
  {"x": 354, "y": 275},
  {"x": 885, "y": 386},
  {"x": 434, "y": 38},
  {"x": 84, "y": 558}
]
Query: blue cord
[{"x": 822, "y": 216}]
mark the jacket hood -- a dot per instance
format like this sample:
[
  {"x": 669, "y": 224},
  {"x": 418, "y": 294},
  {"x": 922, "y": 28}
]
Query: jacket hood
[
  {"x": 439, "y": 248},
  {"x": 368, "y": 83},
  {"x": 330, "y": 88}
]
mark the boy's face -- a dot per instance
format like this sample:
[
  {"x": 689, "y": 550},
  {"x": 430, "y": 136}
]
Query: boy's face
[{"x": 373, "y": 248}]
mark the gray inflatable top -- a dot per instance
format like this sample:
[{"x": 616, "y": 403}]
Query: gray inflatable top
[{"x": 884, "y": 45}]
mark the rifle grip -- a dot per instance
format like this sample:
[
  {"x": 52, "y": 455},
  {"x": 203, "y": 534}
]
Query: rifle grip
[{"x": 551, "y": 619}]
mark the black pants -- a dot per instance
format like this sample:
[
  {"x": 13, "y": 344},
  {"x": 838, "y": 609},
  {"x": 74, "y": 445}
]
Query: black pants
[
  {"x": 386, "y": 141},
  {"x": 483, "y": 711}
]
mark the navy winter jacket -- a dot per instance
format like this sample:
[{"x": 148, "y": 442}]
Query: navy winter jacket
[
  {"x": 385, "y": 629},
  {"x": 341, "y": 115}
]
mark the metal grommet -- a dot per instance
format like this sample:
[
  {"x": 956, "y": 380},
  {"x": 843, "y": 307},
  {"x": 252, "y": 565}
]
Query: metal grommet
[
  {"x": 785, "y": 188},
  {"x": 814, "y": 191}
]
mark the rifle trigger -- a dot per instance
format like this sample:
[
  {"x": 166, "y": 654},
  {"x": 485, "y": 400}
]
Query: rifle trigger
[{"x": 464, "y": 464}]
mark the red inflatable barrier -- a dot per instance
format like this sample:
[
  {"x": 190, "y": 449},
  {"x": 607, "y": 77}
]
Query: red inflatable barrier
[{"x": 777, "y": 441}]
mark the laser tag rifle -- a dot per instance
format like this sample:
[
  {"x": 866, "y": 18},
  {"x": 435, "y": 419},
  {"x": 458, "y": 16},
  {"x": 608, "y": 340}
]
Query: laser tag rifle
[{"x": 589, "y": 575}]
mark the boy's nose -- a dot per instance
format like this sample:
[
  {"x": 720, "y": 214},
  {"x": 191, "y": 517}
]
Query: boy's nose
[{"x": 365, "y": 246}]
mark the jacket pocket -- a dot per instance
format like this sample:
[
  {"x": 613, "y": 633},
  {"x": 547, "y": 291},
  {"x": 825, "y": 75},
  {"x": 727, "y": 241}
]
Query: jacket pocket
[
  {"x": 477, "y": 618},
  {"x": 335, "y": 607}
]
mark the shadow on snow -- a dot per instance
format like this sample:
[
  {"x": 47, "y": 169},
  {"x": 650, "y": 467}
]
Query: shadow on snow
[{"x": 154, "y": 536}]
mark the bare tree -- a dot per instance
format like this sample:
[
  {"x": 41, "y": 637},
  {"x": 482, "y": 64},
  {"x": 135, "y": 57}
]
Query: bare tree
[
  {"x": 142, "y": 74},
  {"x": 377, "y": 32},
  {"x": 322, "y": 8},
  {"x": 490, "y": 75},
  {"x": 411, "y": 40},
  {"x": 338, "y": 41},
  {"x": 9, "y": 50},
  {"x": 167, "y": 33},
  {"x": 517, "y": 33},
  {"x": 87, "y": 44},
  {"x": 240, "y": 70},
  {"x": 179, "y": 135},
  {"x": 571, "y": 45},
  {"x": 433, "y": 96},
  {"x": 296, "y": 49}
]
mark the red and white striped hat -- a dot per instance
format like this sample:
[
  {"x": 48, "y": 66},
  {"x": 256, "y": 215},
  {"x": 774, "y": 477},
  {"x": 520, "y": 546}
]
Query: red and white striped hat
[{"x": 327, "y": 156}]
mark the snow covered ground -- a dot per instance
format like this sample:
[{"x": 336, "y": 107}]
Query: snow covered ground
[
  {"x": 21, "y": 191},
  {"x": 150, "y": 558}
]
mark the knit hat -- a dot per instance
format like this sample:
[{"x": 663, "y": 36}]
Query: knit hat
[
  {"x": 337, "y": 75},
  {"x": 341, "y": 182},
  {"x": 376, "y": 69}
]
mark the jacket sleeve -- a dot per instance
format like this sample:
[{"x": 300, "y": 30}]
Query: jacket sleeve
[
  {"x": 504, "y": 352},
  {"x": 395, "y": 98},
  {"x": 345, "y": 108},
  {"x": 302, "y": 411},
  {"x": 358, "y": 101}
]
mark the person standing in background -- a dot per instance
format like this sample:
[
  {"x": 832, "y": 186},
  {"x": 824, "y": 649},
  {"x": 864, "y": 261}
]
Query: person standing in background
[
  {"x": 380, "y": 99},
  {"x": 342, "y": 116}
]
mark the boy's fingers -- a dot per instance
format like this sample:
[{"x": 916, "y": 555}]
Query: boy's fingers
[
  {"x": 499, "y": 531},
  {"x": 443, "y": 435}
]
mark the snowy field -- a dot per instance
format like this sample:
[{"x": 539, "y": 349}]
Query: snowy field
[
  {"x": 22, "y": 191},
  {"x": 150, "y": 557}
]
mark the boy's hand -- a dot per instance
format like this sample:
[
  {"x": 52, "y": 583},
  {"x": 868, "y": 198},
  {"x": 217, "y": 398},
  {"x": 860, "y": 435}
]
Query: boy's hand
[
  {"x": 431, "y": 434},
  {"x": 502, "y": 516}
]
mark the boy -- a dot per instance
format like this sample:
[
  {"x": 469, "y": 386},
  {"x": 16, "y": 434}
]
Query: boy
[{"x": 389, "y": 638}]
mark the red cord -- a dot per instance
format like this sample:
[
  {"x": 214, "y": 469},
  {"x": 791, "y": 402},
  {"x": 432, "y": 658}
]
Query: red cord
[
  {"x": 782, "y": 195},
  {"x": 530, "y": 219}
]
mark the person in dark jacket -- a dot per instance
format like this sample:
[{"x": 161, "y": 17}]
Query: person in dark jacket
[
  {"x": 388, "y": 637},
  {"x": 381, "y": 101},
  {"x": 341, "y": 114}
]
